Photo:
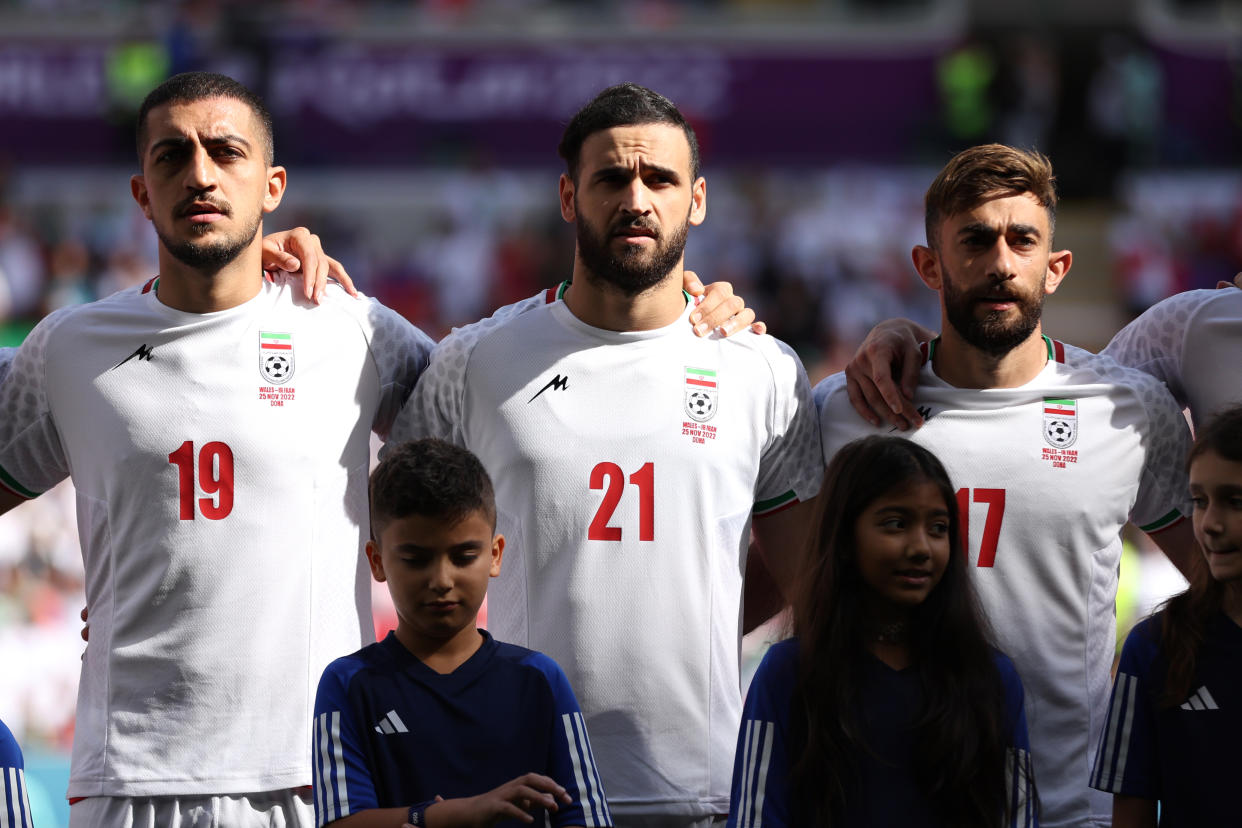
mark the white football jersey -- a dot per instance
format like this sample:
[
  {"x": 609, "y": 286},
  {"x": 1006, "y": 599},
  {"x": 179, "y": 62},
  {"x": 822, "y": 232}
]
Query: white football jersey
[
  {"x": 220, "y": 462},
  {"x": 1193, "y": 342},
  {"x": 1047, "y": 475},
  {"x": 627, "y": 467}
]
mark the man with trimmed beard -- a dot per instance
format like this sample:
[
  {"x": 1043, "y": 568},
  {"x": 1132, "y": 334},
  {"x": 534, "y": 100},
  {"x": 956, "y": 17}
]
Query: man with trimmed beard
[
  {"x": 629, "y": 457},
  {"x": 1054, "y": 449}
]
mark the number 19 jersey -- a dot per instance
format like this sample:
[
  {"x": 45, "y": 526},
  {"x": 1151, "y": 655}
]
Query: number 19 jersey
[
  {"x": 627, "y": 467},
  {"x": 1049, "y": 472},
  {"x": 220, "y": 463}
]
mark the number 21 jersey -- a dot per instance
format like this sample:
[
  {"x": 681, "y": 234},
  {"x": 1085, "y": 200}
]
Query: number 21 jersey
[{"x": 627, "y": 467}]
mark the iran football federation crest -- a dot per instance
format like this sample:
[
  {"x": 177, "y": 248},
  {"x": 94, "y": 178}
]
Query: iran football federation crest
[
  {"x": 1060, "y": 422},
  {"x": 700, "y": 394},
  {"x": 276, "y": 357}
]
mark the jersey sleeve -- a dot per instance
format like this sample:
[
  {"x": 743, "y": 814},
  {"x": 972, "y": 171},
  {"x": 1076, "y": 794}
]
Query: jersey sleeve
[
  {"x": 760, "y": 794},
  {"x": 1019, "y": 775},
  {"x": 1154, "y": 341},
  {"x": 1164, "y": 489},
  {"x": 1127, "y": 761},
  {"x": 15, "y": 806},
  {"x": 401, "y": 353},
  {"x": 790, "y": 469},
  {"x": 571, "y": 762},
  {"x": 6, "y": 362},
  {"x": 435, "y": 407},
  {"x": 341, "y": 779},
  {"x": 32, "y": 456}
]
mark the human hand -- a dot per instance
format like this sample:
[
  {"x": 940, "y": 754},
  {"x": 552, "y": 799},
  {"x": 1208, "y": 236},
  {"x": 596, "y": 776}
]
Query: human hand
[
  {"x": 1237, "y": 282},
  {"x": 891, "y": 350},
  {"x": 512, "y": 800},
  {"x": 300, "y": 250},
  {"x": 720, "y": 309}
]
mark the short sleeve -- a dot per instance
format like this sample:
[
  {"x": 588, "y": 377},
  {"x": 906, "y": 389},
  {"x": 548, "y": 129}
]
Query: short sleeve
[
  {"x": 341, "y": 779},
  {"x": 1163, "y": 495},
  {"x": 435, "y": 407},
  {"x": 571, "y": 763},
  {"x": 32, "y": 457},
  {"x": 1127, "y": 761},
  {"x": 1019, "y": 774},
  {"x": 1153, "y": 341},
  {"x": 6, "y": 362},
  {"x": 15, "y": 807},
  {"x": 760, "y": 794},
  {"x": 790, "y": 468},
  {"x": 401, "y": 353}
]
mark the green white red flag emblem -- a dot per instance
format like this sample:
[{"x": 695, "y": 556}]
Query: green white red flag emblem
[
  {"x": 700, "y": 396},
  {"x": 276, "y": 357},
  {"x": 1060, "y": 422}
]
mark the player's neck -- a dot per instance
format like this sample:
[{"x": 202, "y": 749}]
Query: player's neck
[
  {"x": 198, "y": 290},
  {"x": 963, "y": 365},
  {"x": 601, "y": 304},
  {"x": 442, "y": 655}
]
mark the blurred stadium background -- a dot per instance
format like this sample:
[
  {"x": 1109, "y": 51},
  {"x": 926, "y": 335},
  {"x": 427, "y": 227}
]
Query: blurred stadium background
[{"x": 421, "y": 136}]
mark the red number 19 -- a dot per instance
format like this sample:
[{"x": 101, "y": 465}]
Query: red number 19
[{"x": 215, "y": 477}]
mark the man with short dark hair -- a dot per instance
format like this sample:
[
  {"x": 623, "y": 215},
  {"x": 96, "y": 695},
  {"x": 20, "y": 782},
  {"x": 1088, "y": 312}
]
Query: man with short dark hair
[
  {"x": 1054, "y": 449},
  {"x": 629, "y": 458},
  {"x": 216, "y": 425}
]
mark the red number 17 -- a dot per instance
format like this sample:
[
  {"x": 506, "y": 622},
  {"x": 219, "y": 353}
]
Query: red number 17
[{"x": 995, "y": 498}]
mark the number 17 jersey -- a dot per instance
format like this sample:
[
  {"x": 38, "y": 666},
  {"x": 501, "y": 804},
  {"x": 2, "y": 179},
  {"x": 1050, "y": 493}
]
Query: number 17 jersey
[{"x": 627, "y": 467}]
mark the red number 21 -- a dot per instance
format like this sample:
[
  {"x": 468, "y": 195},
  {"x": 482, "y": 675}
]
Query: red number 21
[
  {"x": 995, "y": 498},
  {"x": 215, "y": 477},
  {"x": 610, "y": 478}
]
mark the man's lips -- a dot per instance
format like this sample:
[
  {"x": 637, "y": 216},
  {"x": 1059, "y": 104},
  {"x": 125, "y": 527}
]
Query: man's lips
[{"x": 204, "y": 212}]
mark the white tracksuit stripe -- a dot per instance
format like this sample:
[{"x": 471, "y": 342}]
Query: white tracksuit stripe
[
  {"x": 588, "y": 808},
  {"x": 338, "y": 759},
  {"x": 761, "y": 782}
]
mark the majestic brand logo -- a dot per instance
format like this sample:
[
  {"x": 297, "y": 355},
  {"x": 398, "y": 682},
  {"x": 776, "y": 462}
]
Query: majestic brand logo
[
  {"x": 276, "y": 357},
  {"x": 144, "y": 352},
  {"x": 557, "y": 383},
  {"x": 701, "y": 390},
  {"x": 391, "y": 723},
  {"x": 1060, "y": 422}
]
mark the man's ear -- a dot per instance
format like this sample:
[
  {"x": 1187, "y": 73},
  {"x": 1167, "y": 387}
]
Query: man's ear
[
  {"x": 566, "y": 187},
  {"x": 927, "y": 264},
  {"x": 138, "y": 188},
  {"x": 498, "y": 554},
  {"x": 276, "y": 179},
  {"x": 1059, "y": 262},
  {"x": 377, "y": 562},
  {"x": 698, "y": 202}
]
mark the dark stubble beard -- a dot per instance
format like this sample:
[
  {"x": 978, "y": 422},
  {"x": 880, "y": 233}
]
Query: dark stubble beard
[
  {"x": 993, "y": 333},
  {"x": 633, "y": 270},
  {"x": 209, "y": 256}
]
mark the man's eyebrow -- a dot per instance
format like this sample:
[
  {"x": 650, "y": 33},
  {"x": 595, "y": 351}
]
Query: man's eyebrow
[
  {"x": 646, "y": 168},
  {"x": 180, "y": 141},
  {"x": 984, "y": 229}
]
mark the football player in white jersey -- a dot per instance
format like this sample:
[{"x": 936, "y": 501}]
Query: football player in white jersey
[
  {"x": 1053, "y": 450},
  {"x": 216, "y": 426},
  {"x": 629, "y": 458}
]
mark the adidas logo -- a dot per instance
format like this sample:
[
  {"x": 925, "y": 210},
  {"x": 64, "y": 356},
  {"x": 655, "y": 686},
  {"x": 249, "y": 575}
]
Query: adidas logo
[
  {"x": 391, "y": 723},
  {"x": 1201, "y": 699}
]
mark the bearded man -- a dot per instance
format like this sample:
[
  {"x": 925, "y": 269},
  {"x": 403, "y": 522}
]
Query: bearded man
[
  {"x": 629, "y": 457},
  {"x": 1054, "y": 449}
]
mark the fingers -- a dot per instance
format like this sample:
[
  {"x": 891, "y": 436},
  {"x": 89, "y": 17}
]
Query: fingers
[
  {"x": 1237, "y": 282},
  {"x": 336, "y": 270},
  {"x": 875, "y": 395},
  {"x": 690, "y": 282},
  {"x": 86, "y": 628}
]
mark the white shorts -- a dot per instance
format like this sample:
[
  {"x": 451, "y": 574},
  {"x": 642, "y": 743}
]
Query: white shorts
[{"x": 292, "y": 808}]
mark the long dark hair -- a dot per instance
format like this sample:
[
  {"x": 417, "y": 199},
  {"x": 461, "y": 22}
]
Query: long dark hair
[
  {"x": 961, "y": 733},
  {"x": 1187, "y": 614}
]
